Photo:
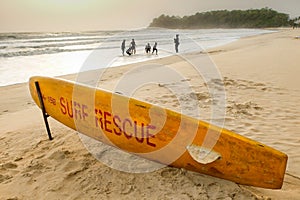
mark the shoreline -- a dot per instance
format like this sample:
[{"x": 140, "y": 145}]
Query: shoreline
[
  {"x": 252, "y": 70},
  {"x": 37, "y": 60}
]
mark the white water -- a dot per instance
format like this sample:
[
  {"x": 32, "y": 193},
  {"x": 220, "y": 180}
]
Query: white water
[{"x": 23, "y": 55}]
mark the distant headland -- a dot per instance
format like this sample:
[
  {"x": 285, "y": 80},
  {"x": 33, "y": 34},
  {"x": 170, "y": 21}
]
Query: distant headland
[{"x": 252, "y": 18}]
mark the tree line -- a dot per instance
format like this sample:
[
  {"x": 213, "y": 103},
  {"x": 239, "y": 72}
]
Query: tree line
[{"x": 252, "y": 18}]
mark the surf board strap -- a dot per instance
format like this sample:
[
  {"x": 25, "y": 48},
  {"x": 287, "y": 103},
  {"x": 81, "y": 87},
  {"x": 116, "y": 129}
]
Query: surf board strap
[{"x": 45, "y": 115}]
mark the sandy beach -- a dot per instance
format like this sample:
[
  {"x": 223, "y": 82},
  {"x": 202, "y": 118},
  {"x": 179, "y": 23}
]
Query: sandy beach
[{"x": 260, "y": 76}]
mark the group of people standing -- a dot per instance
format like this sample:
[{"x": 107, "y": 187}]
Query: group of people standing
[{"x": 132, "y": 48}]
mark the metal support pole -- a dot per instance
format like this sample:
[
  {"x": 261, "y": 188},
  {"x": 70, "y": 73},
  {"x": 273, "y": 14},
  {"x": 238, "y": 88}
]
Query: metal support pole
[{"x": 45, "y": 115}]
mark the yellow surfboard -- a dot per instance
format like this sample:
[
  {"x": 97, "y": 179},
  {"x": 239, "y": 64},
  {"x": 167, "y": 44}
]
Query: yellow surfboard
[{"x": 160, "y": 134}]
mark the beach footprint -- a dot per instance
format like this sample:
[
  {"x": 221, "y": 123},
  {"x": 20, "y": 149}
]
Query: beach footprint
[
  {"x": 170, "y": 172},
  {"x": 9, "y": 165},
  {"x": 4, "y": 178},
  {"x": 214, "y": 191}
]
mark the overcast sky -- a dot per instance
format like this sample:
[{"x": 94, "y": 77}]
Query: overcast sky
[{"x": 82, "y": 15}]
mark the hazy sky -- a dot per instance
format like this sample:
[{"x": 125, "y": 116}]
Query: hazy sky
[{"x": 81, "y": 15}]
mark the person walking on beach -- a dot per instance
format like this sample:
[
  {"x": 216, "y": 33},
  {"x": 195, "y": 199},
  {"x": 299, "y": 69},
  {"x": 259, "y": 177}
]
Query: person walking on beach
[
  {"x": 148, "y": 48},
  {"x": 176, "y": 41},
  {"x": 133, "y": 45},
  {"x": 154, "y": 48},
  {"x": 123, "y": 47}
]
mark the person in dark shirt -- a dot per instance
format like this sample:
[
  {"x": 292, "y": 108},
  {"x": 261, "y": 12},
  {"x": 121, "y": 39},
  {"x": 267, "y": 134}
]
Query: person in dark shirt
[
  {"x": 123, "y": 47},
  {"x": 176, "y": 41},
  {"x": 148, "y": 48},
  {"x": 154, "y": 48},
  {"x": 133, "y": 46}
]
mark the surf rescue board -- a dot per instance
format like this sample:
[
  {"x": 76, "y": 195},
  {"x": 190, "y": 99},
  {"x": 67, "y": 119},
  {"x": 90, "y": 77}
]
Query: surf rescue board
[{"x": 159, "y": 134}]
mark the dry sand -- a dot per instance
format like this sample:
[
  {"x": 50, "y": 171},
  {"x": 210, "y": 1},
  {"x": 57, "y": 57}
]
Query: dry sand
[{"x": 260, "y": 75}]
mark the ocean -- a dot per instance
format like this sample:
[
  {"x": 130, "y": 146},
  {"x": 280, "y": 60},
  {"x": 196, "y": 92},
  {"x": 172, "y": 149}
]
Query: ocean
[{"x": 23, "y": 55}]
